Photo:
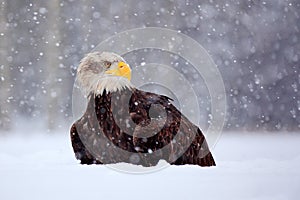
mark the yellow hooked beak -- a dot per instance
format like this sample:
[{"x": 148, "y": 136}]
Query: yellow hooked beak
[{"x": 122, "y": 70}]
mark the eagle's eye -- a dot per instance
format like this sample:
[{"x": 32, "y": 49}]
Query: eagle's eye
[{"x": 107, "y": 64}]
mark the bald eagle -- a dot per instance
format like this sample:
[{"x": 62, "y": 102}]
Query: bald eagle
[{"x": 125, "y": 124}]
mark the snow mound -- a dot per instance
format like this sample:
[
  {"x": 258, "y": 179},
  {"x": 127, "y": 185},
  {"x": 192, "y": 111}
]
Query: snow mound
[{"x": 249, "y": 166}]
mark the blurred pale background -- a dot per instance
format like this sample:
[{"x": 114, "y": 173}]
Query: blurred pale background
[{"x": 255, "y": 44}]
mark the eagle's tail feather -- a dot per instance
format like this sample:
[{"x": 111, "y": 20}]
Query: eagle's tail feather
[
  {"x": 198, "y": 153},
  {"x": 186, "y": 159}
]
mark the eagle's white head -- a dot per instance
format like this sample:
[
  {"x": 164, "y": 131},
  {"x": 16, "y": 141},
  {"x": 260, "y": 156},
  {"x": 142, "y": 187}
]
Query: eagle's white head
[{"x": 103, "y": 71}]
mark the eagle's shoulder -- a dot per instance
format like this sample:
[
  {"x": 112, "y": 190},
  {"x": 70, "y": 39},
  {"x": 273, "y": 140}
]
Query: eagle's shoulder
[{"x": 150, "y": 97}]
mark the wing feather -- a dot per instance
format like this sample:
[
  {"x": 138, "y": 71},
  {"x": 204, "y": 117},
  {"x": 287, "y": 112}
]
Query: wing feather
[{"x": 140, "y": 123}]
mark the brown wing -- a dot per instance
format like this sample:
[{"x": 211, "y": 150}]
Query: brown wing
[
  {"x": 165, "y": 133},
  {"x": 137, "y": 127}
]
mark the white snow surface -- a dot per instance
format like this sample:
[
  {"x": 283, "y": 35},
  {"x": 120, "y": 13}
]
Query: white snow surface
[{"x": 249, "y": 166}]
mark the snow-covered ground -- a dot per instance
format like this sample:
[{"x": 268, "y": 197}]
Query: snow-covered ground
[{"x": 249, "y": 166}]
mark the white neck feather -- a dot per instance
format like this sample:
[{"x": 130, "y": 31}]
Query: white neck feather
[
  {"x": 111, "y": 84},
  {"x": 93, "y": 83}
]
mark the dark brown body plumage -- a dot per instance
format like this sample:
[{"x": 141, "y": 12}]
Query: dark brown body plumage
[{"x": 137, "y": 127}]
